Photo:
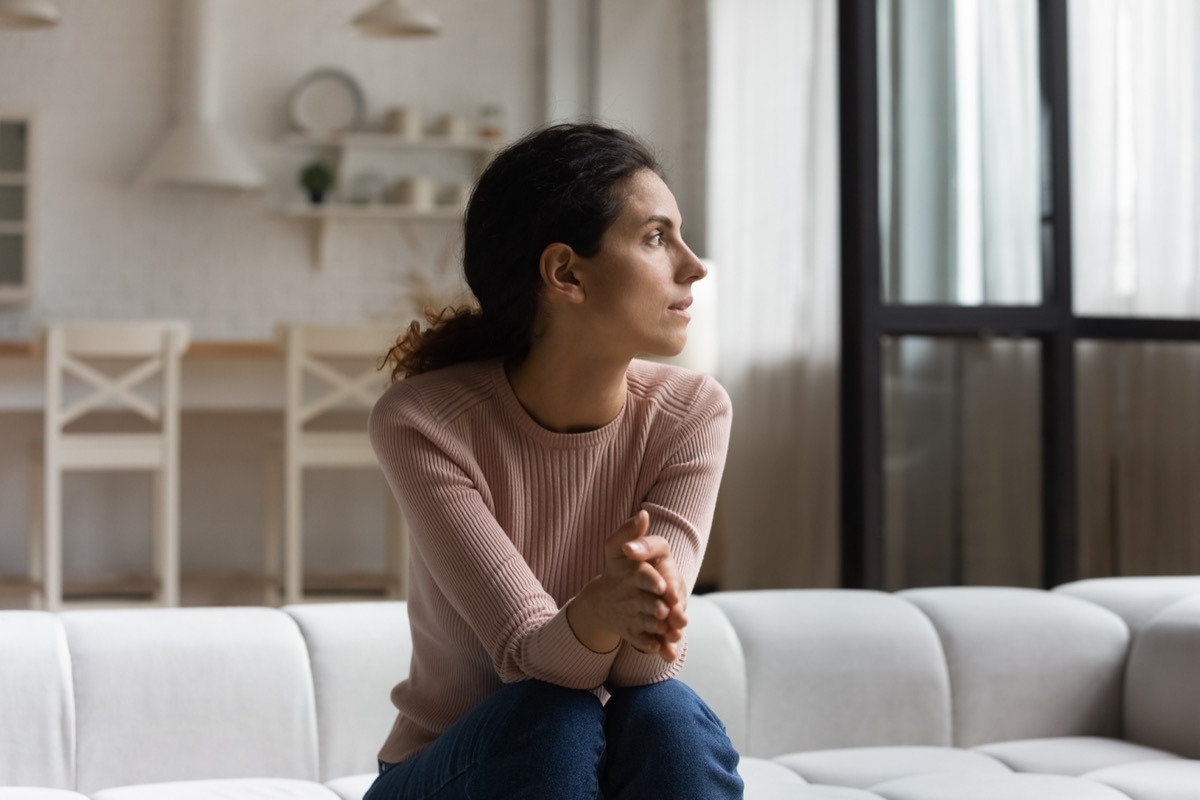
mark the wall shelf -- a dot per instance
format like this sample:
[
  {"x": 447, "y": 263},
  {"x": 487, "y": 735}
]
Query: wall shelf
[
  {"x": 388, "y": 157},
  {"x": 370, "y": 211},
  {"x": 391, "y": 141}
]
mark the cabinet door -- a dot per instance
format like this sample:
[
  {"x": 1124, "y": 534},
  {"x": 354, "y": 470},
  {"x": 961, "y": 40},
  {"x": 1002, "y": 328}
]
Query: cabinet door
[{"x": 15, "y": 208}]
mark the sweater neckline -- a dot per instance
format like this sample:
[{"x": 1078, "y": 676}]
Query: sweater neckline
[{"x": 535, "y": 430}]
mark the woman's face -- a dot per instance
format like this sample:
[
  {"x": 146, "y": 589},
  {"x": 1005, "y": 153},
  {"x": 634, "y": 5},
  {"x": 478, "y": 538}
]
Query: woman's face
[{"x": 637, "y": 289}]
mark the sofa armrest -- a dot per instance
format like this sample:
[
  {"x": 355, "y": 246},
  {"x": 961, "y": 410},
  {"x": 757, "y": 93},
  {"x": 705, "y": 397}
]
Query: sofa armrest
[{"x": 1162, "y": 683}]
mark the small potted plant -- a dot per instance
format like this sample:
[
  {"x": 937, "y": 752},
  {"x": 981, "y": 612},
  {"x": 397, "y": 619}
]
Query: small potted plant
[{"x": 317, "y": 178}]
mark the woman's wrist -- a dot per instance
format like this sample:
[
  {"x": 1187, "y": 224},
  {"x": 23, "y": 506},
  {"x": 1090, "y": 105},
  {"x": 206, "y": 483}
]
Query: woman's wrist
[{"x": 585, "y": 621}]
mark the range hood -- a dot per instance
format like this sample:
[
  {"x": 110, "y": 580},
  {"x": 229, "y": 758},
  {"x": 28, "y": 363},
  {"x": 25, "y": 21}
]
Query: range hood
[{"x": 198, "y": 151}]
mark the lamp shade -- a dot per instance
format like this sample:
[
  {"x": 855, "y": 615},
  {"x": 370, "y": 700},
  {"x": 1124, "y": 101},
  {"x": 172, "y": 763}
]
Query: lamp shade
[
  {"x": 397, "y": 18},
  {"x": 27, "y": 14}
]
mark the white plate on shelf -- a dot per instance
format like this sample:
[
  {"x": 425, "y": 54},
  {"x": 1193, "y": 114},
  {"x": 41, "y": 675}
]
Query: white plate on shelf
[{"x": 327, "y": 101}]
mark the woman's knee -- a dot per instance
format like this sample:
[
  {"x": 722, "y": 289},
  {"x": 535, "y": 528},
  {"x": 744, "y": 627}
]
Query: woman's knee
[
  {"x": 693, "y": 752},
  {"x": 666, "y": 712},
  {"x": 669, "y": 702},
  {"x": 562, "y": 718},
  {"x": 551, "y": 737}
]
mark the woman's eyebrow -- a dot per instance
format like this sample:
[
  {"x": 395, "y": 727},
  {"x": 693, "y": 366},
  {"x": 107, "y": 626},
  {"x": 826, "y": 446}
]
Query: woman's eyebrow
[{"x": 660, "y": 219}]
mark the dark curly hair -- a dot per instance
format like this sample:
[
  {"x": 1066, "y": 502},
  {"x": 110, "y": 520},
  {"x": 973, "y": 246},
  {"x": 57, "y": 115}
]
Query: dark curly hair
[{"x": 562, "y": 183}]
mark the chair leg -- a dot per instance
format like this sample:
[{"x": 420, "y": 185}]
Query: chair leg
[
  {"x": 293, "y": 544},
  {"x": 37, "y": 555},
  {"x": 272, "y": 530},
  {"x": 169, "y": 535},
  {"x": 52, "y": 591}
]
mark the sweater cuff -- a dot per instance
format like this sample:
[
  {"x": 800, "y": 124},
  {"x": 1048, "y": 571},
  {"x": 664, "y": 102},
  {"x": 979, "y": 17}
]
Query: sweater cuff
[
  {"x": 576, "y": 665},
  {"x": 632, "y": 667}
]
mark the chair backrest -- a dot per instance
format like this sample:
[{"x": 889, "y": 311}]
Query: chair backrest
[
  {"x": 72, "y": 350},
  {"x": 359, "y": 652},
  {"x": 37, "y": 702},
  {"x": 837, "y": 668},
  {"x": 182, "y": 694},
  {"x": 317, "y": 383},
  {"x": 1027, "y": 664}
]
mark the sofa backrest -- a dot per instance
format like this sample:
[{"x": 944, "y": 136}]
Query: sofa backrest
[
  {"x": 251, "y": 713},
  {"x": 358, "y": 652},
  {"x": 837, "y": 668},
  {"x": 1162, "y": 682},
  {"x": 715, "y": 666},
  {"x": 1026, "y": 664},
  {"x": 37, "y": 705},
  {"x": 1136, "y": 599}
]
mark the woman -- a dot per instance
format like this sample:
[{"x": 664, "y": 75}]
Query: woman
[{"x": 558, "y": 494}]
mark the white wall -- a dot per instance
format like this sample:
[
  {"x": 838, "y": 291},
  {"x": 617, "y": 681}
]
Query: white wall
[{"x": 102, "y": 85}]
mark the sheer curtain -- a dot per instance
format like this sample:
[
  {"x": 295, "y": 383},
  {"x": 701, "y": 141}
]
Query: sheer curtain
[
  {"x": 773, "y": 234},
  {"x": 1135, "y": 131}
]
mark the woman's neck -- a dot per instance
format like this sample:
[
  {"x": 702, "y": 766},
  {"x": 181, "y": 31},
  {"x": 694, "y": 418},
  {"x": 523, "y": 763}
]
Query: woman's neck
[{"x": 567, "y": 392}]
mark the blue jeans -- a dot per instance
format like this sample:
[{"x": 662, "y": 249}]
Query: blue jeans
[{"x": 536, "y": 741}]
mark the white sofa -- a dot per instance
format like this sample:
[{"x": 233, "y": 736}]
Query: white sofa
[{"x": 931, "y": 694}]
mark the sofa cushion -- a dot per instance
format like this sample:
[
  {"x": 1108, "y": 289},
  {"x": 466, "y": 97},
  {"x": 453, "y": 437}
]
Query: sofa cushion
[
  {"x": 244, "y": 789},
  {"x": 949, "y": 786},
  {"x": 1153, "y": 780},
  {"x": 765, "y": 780},
  {"x": 715, "y": 667},
  {"x": 250, "y": 714},
  {"x": 1162, "y": 687},
  {"x": 809, "y": 792},
  {"x": 837, "y": 668},
  {"x": 37, "y": 706},
  {"x": 1026, "y": 663},
  {"x": 1069, "y": 755},
  {"x": 36, "y": 793},
  {"x": 359, "y": 651},
  {"x": 352, "y": 787},
  {"x": 863, "y": 767},
  {"x": 762, "y": 771},
  {"x": 1135, "y": 599}
]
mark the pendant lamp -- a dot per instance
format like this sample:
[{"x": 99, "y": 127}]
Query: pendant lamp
[
  {"x": 397, "y": 18},
  {"x": 18, "y": 14}
]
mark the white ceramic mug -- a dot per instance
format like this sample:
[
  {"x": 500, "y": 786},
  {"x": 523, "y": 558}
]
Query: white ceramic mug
[
  {"x": 416, "y": 192},
  {"x": 404, "y": 121}
]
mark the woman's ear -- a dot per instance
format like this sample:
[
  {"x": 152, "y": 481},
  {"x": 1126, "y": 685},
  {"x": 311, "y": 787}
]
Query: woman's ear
[{"x": 559, "y": 266}]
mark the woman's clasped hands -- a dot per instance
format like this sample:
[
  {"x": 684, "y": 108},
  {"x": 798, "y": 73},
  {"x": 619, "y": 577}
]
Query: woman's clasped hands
[{"x": 640, "y": 597}]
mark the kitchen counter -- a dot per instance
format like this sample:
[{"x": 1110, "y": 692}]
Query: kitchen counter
[{"x": 217, "y": 375}]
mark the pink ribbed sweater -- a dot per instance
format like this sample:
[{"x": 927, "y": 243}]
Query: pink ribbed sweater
[{"x": 507, "y": 522}]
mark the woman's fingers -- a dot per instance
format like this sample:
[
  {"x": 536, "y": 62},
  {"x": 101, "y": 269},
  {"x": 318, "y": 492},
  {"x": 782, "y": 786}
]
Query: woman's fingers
[
  {"x": 631, "y": 530},
  {"x": 646, "y": 548}
]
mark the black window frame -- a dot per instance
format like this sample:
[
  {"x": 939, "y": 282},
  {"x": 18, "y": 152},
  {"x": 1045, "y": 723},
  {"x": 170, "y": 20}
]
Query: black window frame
[{"x": 866, "y": 319}]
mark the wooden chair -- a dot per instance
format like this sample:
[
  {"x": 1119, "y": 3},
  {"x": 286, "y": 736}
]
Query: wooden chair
[
  {"x": 318, "y": 381},
  {"x": 78, "y": 385}
]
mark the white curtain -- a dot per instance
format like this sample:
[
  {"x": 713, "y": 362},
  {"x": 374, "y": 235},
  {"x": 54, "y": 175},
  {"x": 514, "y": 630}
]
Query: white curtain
[
  {"x": 773, "y": 233},
  {"x": 1135, "y": 131}
]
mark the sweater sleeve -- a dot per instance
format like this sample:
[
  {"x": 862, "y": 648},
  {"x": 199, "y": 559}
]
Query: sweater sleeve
[
  {"x": 474, "y": 562},
  {"x": 681, "y": 504}
]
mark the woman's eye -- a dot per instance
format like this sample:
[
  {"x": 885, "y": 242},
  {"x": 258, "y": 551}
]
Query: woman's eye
[{"x": 656, "y": 239}]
